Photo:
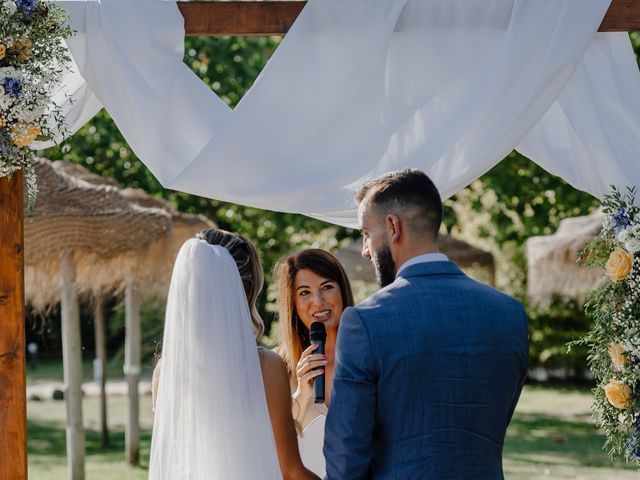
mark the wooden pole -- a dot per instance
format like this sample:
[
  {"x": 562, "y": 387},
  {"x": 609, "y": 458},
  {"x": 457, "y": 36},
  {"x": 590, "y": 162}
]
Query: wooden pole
[
  {"x": 101, "y": 364},
  {"x": 132, "y": 371},
  {"x": 13, "y": 401},
  {"x": 72, "y": 363}
]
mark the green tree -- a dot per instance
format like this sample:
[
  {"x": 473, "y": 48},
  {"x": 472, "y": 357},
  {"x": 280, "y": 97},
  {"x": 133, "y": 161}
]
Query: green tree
[{"x": 528, "y": 200}]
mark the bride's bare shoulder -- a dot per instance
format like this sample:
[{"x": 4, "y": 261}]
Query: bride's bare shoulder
[{"x": 273, "y": 367}]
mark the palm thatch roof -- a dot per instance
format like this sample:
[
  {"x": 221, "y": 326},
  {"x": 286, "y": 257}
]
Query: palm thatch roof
[
  {"x": 78, "y": 171},
  {"x": 552, "y": 268},
  {"x": 183, "y": 227},
  {"x": 112, "y": 239},
  {"x": 462, "y": 253}
]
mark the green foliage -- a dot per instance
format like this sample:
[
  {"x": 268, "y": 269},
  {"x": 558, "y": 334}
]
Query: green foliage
[
  {"x": 151, "y": 326},
  {"x": 595, "y": 254},
  {"x": 524, "y": 200},
  {"x": 550, "y": 329},
  {"x": 635, "y": 41}
]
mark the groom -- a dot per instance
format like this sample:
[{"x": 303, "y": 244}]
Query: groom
[{"x": 429, "y": 369}]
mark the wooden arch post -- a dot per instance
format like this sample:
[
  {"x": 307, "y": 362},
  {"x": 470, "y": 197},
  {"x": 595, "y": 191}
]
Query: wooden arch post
[
  {"x": 212, "y": 18},
  {"x": 13, "y": 391}
]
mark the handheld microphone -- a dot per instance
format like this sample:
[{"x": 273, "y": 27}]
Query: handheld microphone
[{"x": 318, "y": 335}]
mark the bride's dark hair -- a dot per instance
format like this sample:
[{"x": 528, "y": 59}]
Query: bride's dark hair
[{"x": 246, "y": 257}]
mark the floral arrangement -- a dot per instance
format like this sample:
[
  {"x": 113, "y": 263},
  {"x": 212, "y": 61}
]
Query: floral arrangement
[
  {"x": 614, "y": 339},
  {"x": 33, "y": 59}
]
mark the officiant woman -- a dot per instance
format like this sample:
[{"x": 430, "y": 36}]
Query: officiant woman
[{"x": 312, "y": 287}]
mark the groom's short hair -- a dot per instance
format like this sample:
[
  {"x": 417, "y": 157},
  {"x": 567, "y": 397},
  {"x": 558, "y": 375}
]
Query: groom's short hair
[{"x": 408, "y": 193}]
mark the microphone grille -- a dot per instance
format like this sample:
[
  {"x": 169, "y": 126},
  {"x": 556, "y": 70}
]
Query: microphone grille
[{"x": 317, "y": 331}]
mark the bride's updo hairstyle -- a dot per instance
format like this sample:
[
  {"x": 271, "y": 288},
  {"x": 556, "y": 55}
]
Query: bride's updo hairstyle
[
  {"x": 248, "y": 262},
  {"x": 294, "y": 335}
]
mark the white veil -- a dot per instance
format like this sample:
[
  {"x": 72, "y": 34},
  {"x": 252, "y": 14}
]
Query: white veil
[{"x": 211, "y": 420}]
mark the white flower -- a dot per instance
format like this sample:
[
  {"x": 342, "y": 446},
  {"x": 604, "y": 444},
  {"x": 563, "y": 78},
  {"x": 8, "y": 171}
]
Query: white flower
[
  {"x": 632, "y": 245},
  {"x": 5, "y": 100},
  {"x": 10, "y": 72},
  {"x": 635, "y": 230},
  {"x": 624, "y": 235},
  {"x": 9, "y": 6},
  {"x": 32, "y": 114}
]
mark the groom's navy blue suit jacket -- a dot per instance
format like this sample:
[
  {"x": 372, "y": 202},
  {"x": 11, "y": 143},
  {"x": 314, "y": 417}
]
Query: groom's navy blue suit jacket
[{"x": 428, "y": 372}]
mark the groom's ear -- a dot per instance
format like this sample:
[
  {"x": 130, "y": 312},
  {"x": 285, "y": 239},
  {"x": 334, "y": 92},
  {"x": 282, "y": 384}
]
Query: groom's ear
[{"x": 394, "y": 227}]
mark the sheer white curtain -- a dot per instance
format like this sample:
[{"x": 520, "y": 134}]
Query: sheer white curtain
[
  {"x": 591, "y": 134},
  {"x": 211, "y": 420},
  {"x": 360, "y": 87}
]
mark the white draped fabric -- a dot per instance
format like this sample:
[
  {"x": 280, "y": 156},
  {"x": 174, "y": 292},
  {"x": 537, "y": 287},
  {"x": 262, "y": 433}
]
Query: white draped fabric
[
  {"x": 591, "y": 134},
  {"x": 361, "y": 87}
]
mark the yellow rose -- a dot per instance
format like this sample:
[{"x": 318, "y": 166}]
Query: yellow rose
[
  {"x": 619, "y": 264},
  {"x": 618, "y": 394},
  {"x": 24, "y": 133},
  {"x": 23, "y": 47},
  {"x": 3, "y": 51},
  {"x": 617, "y": 355}
]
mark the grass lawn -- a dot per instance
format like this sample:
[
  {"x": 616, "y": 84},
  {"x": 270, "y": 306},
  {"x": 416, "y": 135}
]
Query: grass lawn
[
  {"x": 551, "y": 437},
  {"x": 46, "y": 441},
  {"x": 51, "y": 371}
]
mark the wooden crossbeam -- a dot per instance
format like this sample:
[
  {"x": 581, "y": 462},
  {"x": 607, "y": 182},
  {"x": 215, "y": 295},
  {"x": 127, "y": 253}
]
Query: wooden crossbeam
[
  {"x": 239, "y": 17},
  {"x": 622, "y": 16},
  {"x": 276, "y": 17}
]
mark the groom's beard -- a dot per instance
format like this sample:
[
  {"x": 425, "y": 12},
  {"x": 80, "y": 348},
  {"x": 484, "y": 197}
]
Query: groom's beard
[{"x": 384, "y": 266}]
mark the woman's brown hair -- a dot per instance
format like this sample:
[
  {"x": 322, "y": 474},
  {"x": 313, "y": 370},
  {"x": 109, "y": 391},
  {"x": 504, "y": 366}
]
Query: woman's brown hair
[{"x": 293, "y": 333}]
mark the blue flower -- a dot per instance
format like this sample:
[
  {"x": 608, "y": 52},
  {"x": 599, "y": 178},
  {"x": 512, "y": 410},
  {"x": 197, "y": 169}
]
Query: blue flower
[
  {"x": 620, "y": 220},
  {"x": 26, "y": 5},
  {"x": 12, "y": 87}
]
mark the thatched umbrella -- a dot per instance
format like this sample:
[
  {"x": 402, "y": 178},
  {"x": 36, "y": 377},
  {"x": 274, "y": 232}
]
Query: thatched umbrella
[
  {"x": 552, "y": 268},
  {"x": 183, "y": 227},
  {"x": 78, "y": 171},
  {"x": 465, "y": 255},
  {"x": 93, "y": 226},
  {"x": 75, "y": 229}
]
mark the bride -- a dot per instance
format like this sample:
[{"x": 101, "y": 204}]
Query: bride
[{"x": 223, "y": 405}]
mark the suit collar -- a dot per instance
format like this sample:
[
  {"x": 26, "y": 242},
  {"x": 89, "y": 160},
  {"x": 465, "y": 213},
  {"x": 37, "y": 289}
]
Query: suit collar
[
  {"x": 430, "y": 268},
  {"x": 427, "y": 257}
]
